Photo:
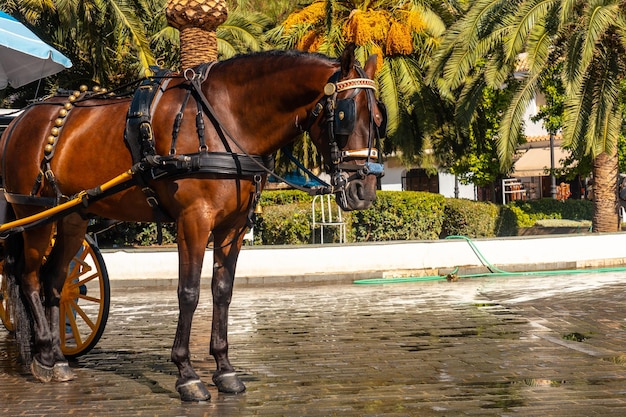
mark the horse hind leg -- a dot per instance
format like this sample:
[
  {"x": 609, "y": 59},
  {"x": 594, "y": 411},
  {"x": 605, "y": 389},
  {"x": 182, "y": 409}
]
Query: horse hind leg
[
  {"x": 12, "y": 271},
  {"x": 25, "y": 254},
  {"x": 225, "y": 255},
  {"x": 41, "y": 287},
  {"x": 70, "y": 235}
]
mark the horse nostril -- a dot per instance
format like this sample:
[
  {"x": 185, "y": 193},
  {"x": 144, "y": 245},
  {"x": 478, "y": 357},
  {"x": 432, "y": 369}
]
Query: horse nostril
[{"x": 359, "y": 191}]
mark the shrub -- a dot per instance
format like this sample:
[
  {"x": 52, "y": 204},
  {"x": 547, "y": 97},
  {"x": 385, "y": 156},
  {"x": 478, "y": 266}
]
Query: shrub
[
  {"x": 506, "y": 224},
  {"x": 529, "y": 211},
  {"x": 395, "y": 215},
  {"x": 279, "y": 197},
  {"x": 131, "y": 234},
  {"x": 399, "y": 215},
  {"x": 284, "y": 224},
  {"x": 469, "y": 218}
]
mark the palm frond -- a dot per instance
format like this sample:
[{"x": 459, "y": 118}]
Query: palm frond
[
  {"x": 605, "y": 120},
  {"x": 390, "y": 94},
  {"x": 538, "y": 49},
  {"x": 433, "y": 23},
  {"x": 468, "y": 101},
  {"x": 567, "y": 10},
  {"x": 599, "y": 17},
  {"x": 241, "y": 33},
  {"x": 127, "y": 20},
  {"x": 576, "y": 118},
  {"x": 511, "y": 126},
  {"x": 521, "y": 24}
]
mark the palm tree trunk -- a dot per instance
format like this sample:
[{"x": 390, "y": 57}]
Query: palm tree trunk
[
  {"x": 197, "y": 21},
  {"x": 605, "y": 208}
]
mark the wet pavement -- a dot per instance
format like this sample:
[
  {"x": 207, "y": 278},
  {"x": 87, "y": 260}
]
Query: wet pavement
[{"x": 515, "y": 346}]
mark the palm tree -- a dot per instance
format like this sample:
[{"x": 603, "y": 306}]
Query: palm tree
[
  {"x": 403, "y": 34},
  {"x": 105, "y": 39},
  {"x": 483, "y": 47},
  {"x": 111, "y": 42}
]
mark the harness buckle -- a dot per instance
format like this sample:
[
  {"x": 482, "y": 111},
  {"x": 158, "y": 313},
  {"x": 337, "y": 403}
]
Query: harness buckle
[{"x": 151, "y": 197}]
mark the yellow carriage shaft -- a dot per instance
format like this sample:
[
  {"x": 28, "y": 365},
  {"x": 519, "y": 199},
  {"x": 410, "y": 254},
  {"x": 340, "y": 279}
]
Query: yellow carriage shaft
[{"x": 82, "y": 198}]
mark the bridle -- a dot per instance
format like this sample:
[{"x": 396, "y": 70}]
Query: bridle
[{"x": 340, "y": 118}]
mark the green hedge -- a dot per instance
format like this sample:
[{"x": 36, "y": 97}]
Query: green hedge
[
  {"x": 469, "y": 218},
  {"x": 529, "y": 211},
  {"x": 399, "y": 215},
  {"x": 395, "y": 215},
  {"x": 131, "y": 234},
  {"x": 284, "y": 197},
  {"x": 283, "y": 224},
  {"x": 476, "y": 219}
]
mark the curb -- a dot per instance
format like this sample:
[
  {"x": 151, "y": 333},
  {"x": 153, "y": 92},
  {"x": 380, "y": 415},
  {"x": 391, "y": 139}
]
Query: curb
[{"x": 342, "y": 264}]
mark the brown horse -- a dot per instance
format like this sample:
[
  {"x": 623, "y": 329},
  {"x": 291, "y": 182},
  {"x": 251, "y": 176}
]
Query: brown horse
[{"x": 242, "y": 110}]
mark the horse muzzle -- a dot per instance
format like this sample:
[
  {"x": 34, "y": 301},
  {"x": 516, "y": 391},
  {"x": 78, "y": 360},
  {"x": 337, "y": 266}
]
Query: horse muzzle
[{"x": 359, "y": 191}]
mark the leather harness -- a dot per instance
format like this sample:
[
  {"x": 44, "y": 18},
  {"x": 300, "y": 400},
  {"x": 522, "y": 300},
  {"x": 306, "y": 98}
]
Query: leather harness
[{"x": 149, "y": 166}]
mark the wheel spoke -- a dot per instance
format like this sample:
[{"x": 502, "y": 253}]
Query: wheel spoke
[
  {"x": 85, "y": 298},
  {"x": 69, "y": 317},
  {"x": 76, "y": 308}
]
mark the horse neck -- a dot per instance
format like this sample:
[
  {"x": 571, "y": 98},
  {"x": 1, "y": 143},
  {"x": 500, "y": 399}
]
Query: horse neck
[{"x": 273, "y": 99}]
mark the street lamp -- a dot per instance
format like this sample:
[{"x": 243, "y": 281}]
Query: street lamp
[{"x": 552, "y": 177}]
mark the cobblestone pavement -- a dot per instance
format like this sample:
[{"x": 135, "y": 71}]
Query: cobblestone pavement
[{"x": 517, "y": 346}]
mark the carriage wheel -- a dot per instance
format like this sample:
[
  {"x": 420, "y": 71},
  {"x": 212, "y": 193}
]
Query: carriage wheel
[
  {"x": 84, "y": 308},
  {"x": 6, "y": 307}
]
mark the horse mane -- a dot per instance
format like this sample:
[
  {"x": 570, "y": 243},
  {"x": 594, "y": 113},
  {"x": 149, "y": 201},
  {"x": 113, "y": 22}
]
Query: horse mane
[{"x": 282, "y": 53}]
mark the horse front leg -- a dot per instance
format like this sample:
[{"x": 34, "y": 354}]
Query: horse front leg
[
  {"x": 191, "y": 248},
  {"x": 225, "y": 256}
]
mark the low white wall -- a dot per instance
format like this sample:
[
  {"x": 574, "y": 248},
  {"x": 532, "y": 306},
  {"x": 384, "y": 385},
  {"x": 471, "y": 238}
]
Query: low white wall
[{"x": 375, "y": 260}]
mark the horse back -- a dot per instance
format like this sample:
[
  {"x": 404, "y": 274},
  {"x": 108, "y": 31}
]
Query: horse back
[{"x": 90, "y": 149}]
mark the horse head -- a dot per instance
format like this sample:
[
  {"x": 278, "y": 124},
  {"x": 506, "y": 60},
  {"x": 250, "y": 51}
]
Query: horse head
[{"x": 350, "y": 121}]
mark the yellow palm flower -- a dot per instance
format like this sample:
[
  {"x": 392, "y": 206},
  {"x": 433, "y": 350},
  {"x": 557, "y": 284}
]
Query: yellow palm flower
[
  {"x": 415, "y": 21},
  {"x": 399, "y": 40},
  {"x": 311, "y": 14},
  {"x": 364, "y": 27},
  {"x": 310, "y": 42}
]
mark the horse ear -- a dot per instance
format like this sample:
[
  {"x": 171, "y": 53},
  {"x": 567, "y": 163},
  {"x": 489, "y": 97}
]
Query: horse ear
[
  {"x": 371, "y": 65},
  {"x": 347, "y": 60}
]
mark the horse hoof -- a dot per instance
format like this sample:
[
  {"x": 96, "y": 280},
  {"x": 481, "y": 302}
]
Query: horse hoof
[
  {"x": 229, "y": 383},
  {"x": 62, "y": 372},
  {"x": 193, "y": 390},
  {"x": 40, "y": 371}
]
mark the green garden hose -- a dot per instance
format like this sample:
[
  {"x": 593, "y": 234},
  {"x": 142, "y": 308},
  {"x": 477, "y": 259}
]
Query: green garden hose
[{"x": 494, "y": 271}]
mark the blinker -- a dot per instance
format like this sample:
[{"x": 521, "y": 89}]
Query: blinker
[{"x": 345, "y": 117}]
